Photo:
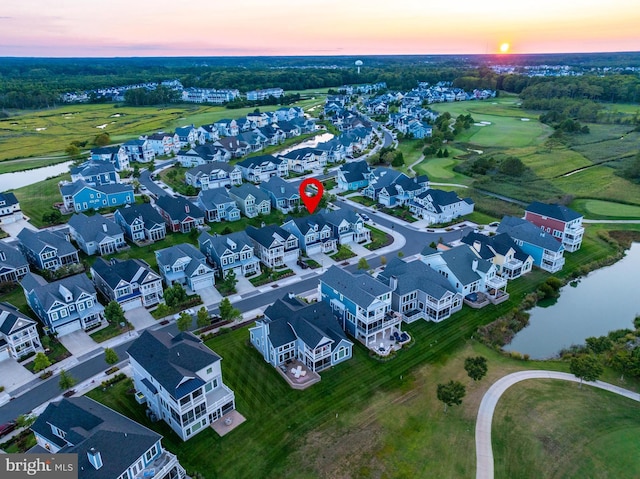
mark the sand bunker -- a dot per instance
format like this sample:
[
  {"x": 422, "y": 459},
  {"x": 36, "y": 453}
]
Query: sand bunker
[
  {"x": 102, "y": 127},
  {"x": 40, "y": 129},
  {"x": 525, "y": 119}
]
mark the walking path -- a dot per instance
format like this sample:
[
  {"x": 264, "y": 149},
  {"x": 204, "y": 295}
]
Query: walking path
[{"x": 484, "y": 451}]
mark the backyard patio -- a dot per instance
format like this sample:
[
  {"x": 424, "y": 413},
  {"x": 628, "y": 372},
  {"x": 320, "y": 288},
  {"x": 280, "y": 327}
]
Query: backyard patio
[{"x": 297, "y": 374}]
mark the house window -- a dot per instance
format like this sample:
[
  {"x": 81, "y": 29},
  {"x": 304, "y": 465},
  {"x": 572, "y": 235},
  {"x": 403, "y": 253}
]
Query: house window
[
  {"x": 151, "y": 453},
  {"x": 209, "y": 370}
]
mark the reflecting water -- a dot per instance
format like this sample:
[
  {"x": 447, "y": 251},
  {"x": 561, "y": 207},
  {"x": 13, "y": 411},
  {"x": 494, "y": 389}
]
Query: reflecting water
[{"x": 29, "y": 177}]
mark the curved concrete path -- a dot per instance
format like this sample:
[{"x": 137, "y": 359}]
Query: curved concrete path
[{"x": 484, "y": 451}]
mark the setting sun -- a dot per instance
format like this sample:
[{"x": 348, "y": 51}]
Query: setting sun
[{"x": 504, "y": 48}]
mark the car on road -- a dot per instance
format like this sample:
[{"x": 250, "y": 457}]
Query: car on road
[
  {"x": 495, "y": 224},
  {"x": 189, "y": 311},
  {"x": 7, "y": 427},
  {"x": 365, "y": 217}
]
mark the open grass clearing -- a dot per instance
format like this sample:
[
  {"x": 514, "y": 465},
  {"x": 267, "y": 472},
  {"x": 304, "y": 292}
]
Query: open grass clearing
[
  {"x": 550, "y": 163},
  {"x": 599, "y": 209},
  {"x": 37, "y": 199},
  {"x": 441, "y": 170},
  {"x": 547, "y": 428},
  {"x": 599, "y": 182}
]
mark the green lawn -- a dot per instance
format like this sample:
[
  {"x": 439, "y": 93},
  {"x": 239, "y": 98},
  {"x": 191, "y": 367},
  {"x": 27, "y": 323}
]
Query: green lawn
[
  {"x": 363, "y": 200},
  {"x": 343, "y": 253},
  {"x": 379, "y": 239},
  {"x": 546, "y": 428},
  {"x": 599, "y": 209},
  {"x": 111, "y": 331},
  {"x": 39, "y": 198},
  {"x": 269, "y": 276}
]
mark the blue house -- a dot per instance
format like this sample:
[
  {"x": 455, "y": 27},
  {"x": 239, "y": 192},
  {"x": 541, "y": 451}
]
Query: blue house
[
  {"x": 47, "y": 249},
  {"x": 141, "y": 223},
  {"x": 354, "y": 175},
  {"x": 293, "y": 330},
  {"x": 217, "y": 205},
  {"x": 80, "y": 196},
  {"x": 96, "y": 234},
  {"x": 95, "y": 173},
  {"x": 116, "y": 155},
  {"x": 234, "y": 251},
  {"x": 284, "y": 196},
  {"x": 363, "y": 305}
]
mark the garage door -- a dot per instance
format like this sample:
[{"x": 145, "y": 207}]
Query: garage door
[
  {"x": 291, "y": 257},
  {"x": 201, "y": 283},
  {"x": 131, "y": 304},
  {"x": 68, "y": 328},
  {"x": 4, "y": 354}
]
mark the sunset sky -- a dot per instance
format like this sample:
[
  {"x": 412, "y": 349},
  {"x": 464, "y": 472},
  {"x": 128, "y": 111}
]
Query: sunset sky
[{"x": 70, "y": 28}]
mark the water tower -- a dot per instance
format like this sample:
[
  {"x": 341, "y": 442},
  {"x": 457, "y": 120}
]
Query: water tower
[{"x": 358, "y": 64}]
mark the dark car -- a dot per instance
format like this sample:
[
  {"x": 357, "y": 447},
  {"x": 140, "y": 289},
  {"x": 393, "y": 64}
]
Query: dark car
[
  {"x": 365, "y": 217},
  {"x": 7, "y": 427},
  {"x": 302, "y": 264}
]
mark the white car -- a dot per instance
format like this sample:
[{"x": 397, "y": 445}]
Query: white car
[{"x": 189, "y": 311}]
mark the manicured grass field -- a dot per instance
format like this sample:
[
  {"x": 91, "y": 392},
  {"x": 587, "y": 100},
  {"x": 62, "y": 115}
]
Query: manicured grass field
[
  {"x": 441, "y": 170},
  {"x": 596, "y": 209},
  {"x": 546, "y": 428},
  {"x": 37, "y": 199}
]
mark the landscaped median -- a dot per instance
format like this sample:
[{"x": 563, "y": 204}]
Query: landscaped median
[{"x": 269, "y": 275}]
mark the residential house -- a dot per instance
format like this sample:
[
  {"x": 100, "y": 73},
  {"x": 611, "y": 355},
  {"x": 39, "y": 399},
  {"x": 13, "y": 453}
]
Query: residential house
[
  {"x": 180, "y": 380},
  {"x": 217, "y": 205},
  {"x": 254, "y": 140},
  {"x": 96, "y": 234},
  {"x": 419, "y": 129},
  {"x": 334, "y": 150},
  {"x": 233, "y": 145},
  {"x": 63, "y": 306},
  {"x": 391, "y": 188},
  {"x": 95, "y": 173},
  {"x": 305, "y": 159},
  {"x": 210, "y": 132},
  {"x": 439, "y": 206},
  {"x": 141, "y": 223},
  {"x": 132, "y": 282},
  {"x": 213, "y": 175},
  {"x": 251, "y": 200},
  {"x": 234, "y": 251},
  {"x": 314, "y": 234},
  {"x": 47, "y": 249},
  {"x": 561, "y": 222},
  {"x": 255, "y": 95},
  {"x": 80, "y": 196},
  {"x": 260, "y": 168},
  {"x": 227, "y": 127},
  {"x": 180, "y": 214},
  {"x": 164, "y": 144},
  {"x": 419, "y": 292},
  {"x": 18, "y": 333},
  {"x": 289, "y": 129},
  {"x": 547, "y": 252},
  {"x": 289, "y": 113},
  {"x": 272, "y": 134},
  {"x": 108, "y": 445},
  {"x": 10, "y": 211},
  {"x": 511, "y": 262},
  {"x": 363, "y": 305},
  {"x": 285, "y": 196},
  {"x": 116, "y": 155},
  {"x": 139, "y": 150},
  {"x": 202, "y": 154},
  {"x": 184, "y": 264},
  {"x": 310, "y": 333},
  {"x": 470, "y": 275},
  {"x": 274, "y": 245},
  {"x": 353, "y": 176},
  {"x": 347, "y": 226},
  {"x": 189, "y": 136},
  {"x": 13, "y": 263}
]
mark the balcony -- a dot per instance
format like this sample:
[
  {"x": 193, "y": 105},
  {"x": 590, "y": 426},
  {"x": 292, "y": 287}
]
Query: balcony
[
  {"x": 512, "y": 269},
  {"x": 218, "y": 397},
  {"x": 165, "y": 466}
]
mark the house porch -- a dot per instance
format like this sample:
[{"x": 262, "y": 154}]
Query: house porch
[{"x": 297, "y": 374}]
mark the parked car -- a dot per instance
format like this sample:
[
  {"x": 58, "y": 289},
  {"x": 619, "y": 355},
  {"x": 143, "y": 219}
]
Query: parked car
[
  {"x": 7, "y": 427},
  {"x": 365, "y": 217},
  {"x": 189, "y": 311},
  {"x": 302, "y": 264}
]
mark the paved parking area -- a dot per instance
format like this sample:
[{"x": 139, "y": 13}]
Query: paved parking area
[
  {"x": 140, "y": 318},
  {"x": 12, "y": 229},
  {"x": 209, "y": 296},
  {"x": 78, "y": 343},
  {"x": 13, "y": 375}
]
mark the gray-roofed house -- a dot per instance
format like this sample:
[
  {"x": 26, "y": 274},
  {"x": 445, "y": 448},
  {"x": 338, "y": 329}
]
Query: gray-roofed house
[
  {"x": 218, "y": 205},
  {"x": 274, "y": 246},
  {"x": 547, "y": 252},
  {"x": 347, "y": 225},
  {"x": 234, "y": 251},
  {"x": 132, "y": 282},
  {"x": 251, "y": 200},
  {"x": 354, "y": 175},
  {"x": 108, "y": 444},
  {"x": 116, "y": 155},
  {"x": 139, "y": 150},
  {"x": 439, "y": 206},
  {"x": 419, "y": 292},
  {"x": 10, "y": 211},
  {"x": 63, "y": 306},
  {"x": 164, "y": 144},
  {"x": 285, "y": 196},
  {"x": 141, "y": 223},
  {"x": 184, "y": 264},
  {"x": 47, "y": 249},
  {"x": 563, "y": 223},
  {"x": 95, "y": 173},
  {"x": 233, "y": 145},
  {"x": 309, "y": 333},
  {"x": 203, "y": 154},
  {"x": 189, "y": 135},
  {"x": 180, "y": 380},
  {"x": 180, "y": 214},
  {"x": 363, "y": 305},
  {"x": 314, "y": 234},
  {"x": 392, "y": 188},
  {"x": 213, "y": 175},
  {"x": 96, "y": 234},
  {"x": 13, "y": 264},
  {"x": 18, "y": 333},
  {"x": 260, "y": 168},
  {"x": 305, "y": 159},
  {"x": 510, "y": 260},
  {"x": 473, "y": 277}
]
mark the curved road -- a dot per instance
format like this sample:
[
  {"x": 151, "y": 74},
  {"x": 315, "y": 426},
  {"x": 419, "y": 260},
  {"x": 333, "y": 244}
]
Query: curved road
[{"x": 484, "y": 452}]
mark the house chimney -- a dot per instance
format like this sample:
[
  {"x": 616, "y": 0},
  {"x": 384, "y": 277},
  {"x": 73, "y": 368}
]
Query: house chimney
[
  {"x": 474, "y": 265},
  {"x": 95, "y": 458},
  {"x": 476, "y": 245},
  {"x": 393, "y": 282},
  {"x": 186, "y": 208}
]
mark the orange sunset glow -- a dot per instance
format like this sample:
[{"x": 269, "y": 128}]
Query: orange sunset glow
[{"x": 288, "y": 27}]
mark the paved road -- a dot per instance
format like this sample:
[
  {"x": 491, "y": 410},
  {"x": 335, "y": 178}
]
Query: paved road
[{"x": 484, "y": 451}]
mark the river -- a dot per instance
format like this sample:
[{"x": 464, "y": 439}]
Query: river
[
  {"x": 605, "y": 300},
  {"x": 19, "y": 179}
]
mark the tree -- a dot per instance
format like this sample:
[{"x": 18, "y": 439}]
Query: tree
[
  {"x": 103, "y": 139},
  {"x": 229, "y": 282},
  {"x": 202, "y": 319},
  {"x": 162, "y": 310},
  {"x": 512, "y": 166},
  {"x": 451, "y": 393},
  {"x": 476, "y": 367},
  {"x": 110, "y": 356},
  {"x": 72, "y": 151},
  {"x": 113, "y": 313},
  {"x": 40, "y": 362},
  {"x": 67, "y": 381},
  {"x": 363, "y": 264},
  {"x": 184, "y": 321},
  {"x": 52, "y": 217},
  {"x": 25, "y": 420},
  {"x": 585, "y": 368},
  {"x": 227, "y": 311},
  {"x": 175, "y": 295},
  {"x": 383, "y": 260}
]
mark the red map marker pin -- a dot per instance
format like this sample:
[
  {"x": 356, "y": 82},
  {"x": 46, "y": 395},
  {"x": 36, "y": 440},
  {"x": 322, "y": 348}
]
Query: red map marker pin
[{"x": 311, "y": 202}]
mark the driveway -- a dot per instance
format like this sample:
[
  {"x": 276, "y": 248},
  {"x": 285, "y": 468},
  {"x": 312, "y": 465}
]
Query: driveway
[
  {"x": 209, "y": 296},
  {"x": 12, "y": 229},
  {"x": 78, "y": 343},
  {"x": 484, "y": 451},
  {"x": 14, "y": 375},
  {"x": 140, "y": 318}
]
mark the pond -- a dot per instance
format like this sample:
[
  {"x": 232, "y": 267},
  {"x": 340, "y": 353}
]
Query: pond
[
  {"x": 19, "y": 179},
  {"x": 310, "y": 143},
  {"x": 605, "y": 300}
]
